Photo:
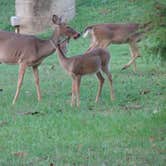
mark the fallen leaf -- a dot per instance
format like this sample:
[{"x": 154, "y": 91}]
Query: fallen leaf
[
  {"x": 31, "y": 113},
  {"x": 151, "y": 139},
  {"x": 144, "y": 91},
  {"x": 130, "y": 107},
  {"x": 2, "y": 123},
  {"x": 79, "y": 147},
  {"x": 52, "y": 67},
  {"x": 105, "y": 11},
  {"x": 20, "y": 154}
]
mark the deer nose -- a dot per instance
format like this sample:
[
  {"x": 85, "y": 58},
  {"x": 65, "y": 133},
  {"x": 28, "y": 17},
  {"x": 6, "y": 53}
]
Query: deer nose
[{"x": 77, "y": 35}]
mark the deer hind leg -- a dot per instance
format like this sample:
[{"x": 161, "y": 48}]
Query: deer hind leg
[
  {"x": 21, "y": 73},
  {"x": 36, "y": 78},
  {"x": 94, "y": 43},
  {"x": 109, "y": 75},
  {"x": 104, "y": 44},
  {"x": 101, "y": 82},
  {"x": 78, "y": 82},
  {"x": 98, "y": 44},
  {"x": 92, "y": 46},
  {"x": 134, "y": 55}
]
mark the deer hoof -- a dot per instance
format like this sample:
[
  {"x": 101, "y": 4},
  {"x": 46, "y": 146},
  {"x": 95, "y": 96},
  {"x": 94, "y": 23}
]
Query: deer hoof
[{"x": 123, "y": 68}]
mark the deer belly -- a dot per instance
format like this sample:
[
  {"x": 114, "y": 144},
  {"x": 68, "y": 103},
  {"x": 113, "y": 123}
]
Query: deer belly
[
  {"x": 8, "y": 59},
  {"x": 120, "y": 38},
  {"x": 92, "y": 69},
  {"x": 88, "y": 68}
]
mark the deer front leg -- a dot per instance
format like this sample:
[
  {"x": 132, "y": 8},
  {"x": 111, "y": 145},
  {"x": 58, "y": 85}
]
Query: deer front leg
[
  {"x": 73, "y": 97},
  {"x": 36, "y": 78},
  {"x": 78, "y": 81},
  {"x": 101, "y": 81},
  {"x": 129, "y": 63},
  {"x": 134, "y": 54},
  {"x": 22, "y": 68},
  {"x": 109, "y": 75}
]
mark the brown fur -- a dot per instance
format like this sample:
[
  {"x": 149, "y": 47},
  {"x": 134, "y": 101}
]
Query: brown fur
[
  {"x": 94, "y": 61},
  {"x": 102, "y": 35},
  {"x": 28, "y": 50}
]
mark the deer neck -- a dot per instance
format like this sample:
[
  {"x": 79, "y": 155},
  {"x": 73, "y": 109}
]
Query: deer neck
[
  {"x": 47, "y": 47},
  {"x": 64, "y": 61}
]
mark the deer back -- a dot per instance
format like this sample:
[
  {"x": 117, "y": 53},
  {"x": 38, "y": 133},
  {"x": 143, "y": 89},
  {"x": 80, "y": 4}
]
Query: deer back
[{"x": 115, "y": 33}]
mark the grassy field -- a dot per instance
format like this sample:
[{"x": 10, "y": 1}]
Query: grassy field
[{"x": 131, "y": 131}]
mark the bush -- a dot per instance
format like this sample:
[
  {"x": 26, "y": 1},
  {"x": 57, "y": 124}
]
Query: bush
[{"x": 156, "y": 41}]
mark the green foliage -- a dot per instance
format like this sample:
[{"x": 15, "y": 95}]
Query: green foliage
[
  {"x": 130, "y": 130},
  {"x": 156, "y": 42},
  {"x": 7, "y": 10},
  {"x": 141, "y": 11}
]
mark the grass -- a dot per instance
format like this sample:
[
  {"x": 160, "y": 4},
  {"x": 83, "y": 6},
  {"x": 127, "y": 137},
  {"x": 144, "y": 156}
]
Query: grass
[{"x": 129, "y": 131}]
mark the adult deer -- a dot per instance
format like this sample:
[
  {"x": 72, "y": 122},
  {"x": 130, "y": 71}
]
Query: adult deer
[
  {"x": 29, "y": 51},
  {"x": 102, "y": 35},
  {"x": 94, "y": 61}
]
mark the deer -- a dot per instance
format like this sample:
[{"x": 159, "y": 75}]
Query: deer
[
  {"x": 30, "y": 51},
  {"x": 77, "y": 66},
  {"x": 102, "y": 35}
]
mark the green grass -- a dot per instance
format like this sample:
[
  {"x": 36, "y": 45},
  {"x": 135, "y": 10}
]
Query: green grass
[
  {"x": 129, "y": 131},
  {"x": 6, "y": 11}
]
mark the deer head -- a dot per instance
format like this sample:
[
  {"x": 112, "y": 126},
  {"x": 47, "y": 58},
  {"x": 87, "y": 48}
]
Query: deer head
[{"x": 64, "y": 28}]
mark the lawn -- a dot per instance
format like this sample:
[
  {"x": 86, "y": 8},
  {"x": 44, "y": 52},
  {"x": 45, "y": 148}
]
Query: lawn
[{"x": 128, "y": 131}]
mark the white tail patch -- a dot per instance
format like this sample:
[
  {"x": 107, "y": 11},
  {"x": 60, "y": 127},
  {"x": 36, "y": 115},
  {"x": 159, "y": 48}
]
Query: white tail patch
[{"x": 86, "y": 33}]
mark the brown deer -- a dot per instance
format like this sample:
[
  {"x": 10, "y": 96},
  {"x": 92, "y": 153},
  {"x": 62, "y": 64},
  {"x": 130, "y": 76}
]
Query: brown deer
[
  {"x": 102, "y": 35},
  {"x": 94, "y": 61},
  {"x": 29, "y": 51}
]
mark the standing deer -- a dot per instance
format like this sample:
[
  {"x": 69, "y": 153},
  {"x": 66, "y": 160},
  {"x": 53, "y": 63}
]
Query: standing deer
[
  {"x": 29, "y": 51},
  {"x": 94, "y": 61},
  {"x": 102, "y": 35}
]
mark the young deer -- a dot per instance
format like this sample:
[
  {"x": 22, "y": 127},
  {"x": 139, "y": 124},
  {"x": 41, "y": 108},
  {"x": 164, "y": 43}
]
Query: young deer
[
  {"x": 94, "y": 61},
  {"x": 102, "y": 35},
  {"x": 29, "y": 51}
]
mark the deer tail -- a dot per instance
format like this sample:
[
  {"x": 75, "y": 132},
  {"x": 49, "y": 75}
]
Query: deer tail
[{"x": 86, "y": 31}]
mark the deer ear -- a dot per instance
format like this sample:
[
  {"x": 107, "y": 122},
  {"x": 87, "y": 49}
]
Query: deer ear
[{"x": 56, "y": 19}]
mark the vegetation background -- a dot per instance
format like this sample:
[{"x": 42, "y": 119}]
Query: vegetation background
[{"x": 129, "y": 131}]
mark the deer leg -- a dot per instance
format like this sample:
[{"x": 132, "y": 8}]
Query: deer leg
[
  {"x": 109, "y": 75},
  {"x": 135, "y": 54},
  {"x": 78, "y": 81},
  {"x": 104, "y": 44},
  {"x": 101, "y": 81},
  {"x": 132, "y": 53},
  {"x": 22, "y": 69},
  {"x": 73, "y": 98},
  {"x": 92, "y": 46},
  {"x": 36, "y": 78}
]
